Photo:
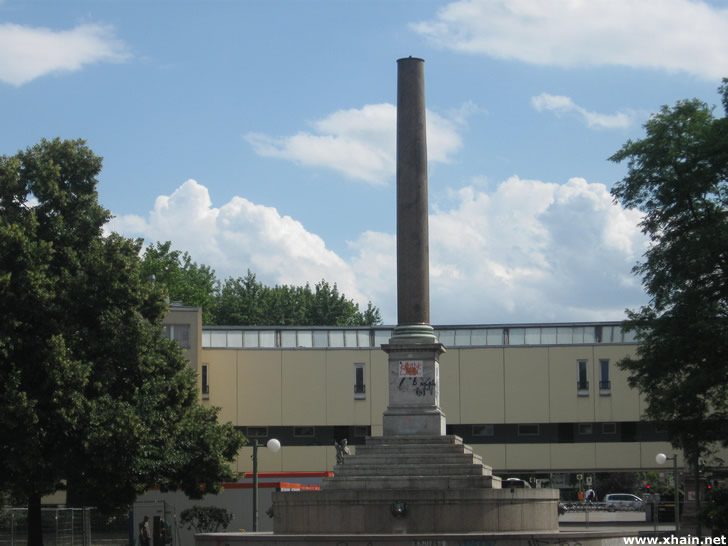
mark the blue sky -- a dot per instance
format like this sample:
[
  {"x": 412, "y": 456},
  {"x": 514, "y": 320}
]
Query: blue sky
[{"x": 260, "y": 135}]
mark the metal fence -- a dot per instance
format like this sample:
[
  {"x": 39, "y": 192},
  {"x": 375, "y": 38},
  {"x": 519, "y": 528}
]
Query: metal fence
[{"x": 65, "y": 527}]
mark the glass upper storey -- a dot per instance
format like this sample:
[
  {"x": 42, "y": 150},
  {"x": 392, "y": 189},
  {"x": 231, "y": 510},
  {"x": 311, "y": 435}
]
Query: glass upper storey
[{"x": 293, "y": 337}]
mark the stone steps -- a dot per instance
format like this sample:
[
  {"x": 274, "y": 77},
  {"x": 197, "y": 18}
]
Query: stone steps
[
  {"x": 412, "y": 462},
  {"x": 412, "y": 482},
  {"x": 413, "y": 444},
  {"x": 412, "y": 459},
  {"x": 449, "y": 439},
  {"x": 413, "y": 449},
  {"x": 434, "y": 469}
]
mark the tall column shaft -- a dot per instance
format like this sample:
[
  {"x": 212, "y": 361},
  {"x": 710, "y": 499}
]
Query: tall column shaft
[
  {"x": 413, "y": 349},
  {"x": 413, "y": 253}
]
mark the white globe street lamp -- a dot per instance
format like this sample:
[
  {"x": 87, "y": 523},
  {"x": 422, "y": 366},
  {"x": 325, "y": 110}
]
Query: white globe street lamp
[
  {"x": 661, "y": 458},
  {"x": 274, "y": 446}
]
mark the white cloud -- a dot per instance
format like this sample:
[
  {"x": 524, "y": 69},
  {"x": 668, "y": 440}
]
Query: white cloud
[
  {"x": 528, "y": 251},
  {"x": 27, "y": 53},
  {"x": 534, "y": 251},
  {"x": 359, "y": 143},
  {"x": 564, "y": 105},
  {"x": 239, "y": 236},
  {"x": 375, "y": 263},
  {"x": 673, "y": 35}
]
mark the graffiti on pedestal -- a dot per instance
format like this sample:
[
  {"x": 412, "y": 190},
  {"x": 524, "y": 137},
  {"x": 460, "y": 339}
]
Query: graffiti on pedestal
[
  {"x": 412, "y": 378},
  {"x": 421, "y": 386}
]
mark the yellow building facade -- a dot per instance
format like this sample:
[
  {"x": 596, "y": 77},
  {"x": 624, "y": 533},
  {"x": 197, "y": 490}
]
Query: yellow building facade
[{"x": 542, "y": 401}]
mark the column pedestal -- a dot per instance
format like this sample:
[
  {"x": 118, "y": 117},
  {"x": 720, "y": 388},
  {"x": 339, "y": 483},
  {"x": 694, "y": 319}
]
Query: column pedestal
[{"x": 414, "y": 389}]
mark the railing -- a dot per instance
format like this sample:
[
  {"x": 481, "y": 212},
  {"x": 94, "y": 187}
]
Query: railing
[{"x": 65, "y": 527}]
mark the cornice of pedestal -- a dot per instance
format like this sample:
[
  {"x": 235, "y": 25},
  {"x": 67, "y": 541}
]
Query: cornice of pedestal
[{"x": 413, "y": 337}]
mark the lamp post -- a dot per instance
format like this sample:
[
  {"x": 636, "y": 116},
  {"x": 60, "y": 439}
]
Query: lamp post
[
  {"x": 273, "y": 445},
  {"x": 661, "y": 458}
]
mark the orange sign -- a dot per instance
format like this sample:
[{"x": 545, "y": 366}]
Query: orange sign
[{"x": 410, "y": 368}]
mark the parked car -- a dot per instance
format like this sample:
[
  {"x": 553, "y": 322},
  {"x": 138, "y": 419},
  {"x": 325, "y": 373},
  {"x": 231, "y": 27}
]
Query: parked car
[
  {"x": 515, "y": 482},
  {"x": 623, "y": 501}
]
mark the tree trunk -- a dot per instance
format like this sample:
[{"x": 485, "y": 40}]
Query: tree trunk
[
  {"x": 74, "y": 498},
  {"x": 35, "y": 528}
]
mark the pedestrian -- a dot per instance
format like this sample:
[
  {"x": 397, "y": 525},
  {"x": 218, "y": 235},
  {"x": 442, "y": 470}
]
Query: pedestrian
[
  {"x": 145, "y": 534},
  {"x": 342, "y": 451},
  {"x": 591, "y": 495}
]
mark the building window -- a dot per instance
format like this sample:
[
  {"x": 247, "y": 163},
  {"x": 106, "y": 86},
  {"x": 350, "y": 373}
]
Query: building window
[
  {"x": 205, "y": 377},
  {"x": 360, "y": 388},
  {"x": 483, "y": 430},
  {"x": 446, "y": 337},
  {"x": 257, "y": 432},
  {"x": 267, "y": 338},
  {"x": 320, "y": 338},
  {"x": 609, "y": 428},
  {"x": 288, "y": 338},
  {"x": 179, "y": 333},
  {"x": 336, "y": 338},
  {"x": 582, "y": 379},
  {"x": 495, "y": 336},
  {"x": 462, "y": 337},
  {"x": 605, "y": 385},
  {"x": 516, "y": 336},
  {"x": 548, "y": 336},
  {"x": 380, "y": 337},
  {"x": 364, "y": 338},
  {"x": 528, "y": 430},
  {"x": 532, "y": 336},
  {"x": 235, "y": 339},
  {"x": 585, "y": 428},
  {"x": 350, "y": 338},
  {"x": 218, "y": 339},
  {"x": 303, "y": 432}
]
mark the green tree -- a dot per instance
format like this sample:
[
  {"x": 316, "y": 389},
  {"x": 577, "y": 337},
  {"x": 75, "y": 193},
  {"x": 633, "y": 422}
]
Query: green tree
[
  {"x": 616, "y": 482},
  {"x": 205, "y": 519},
  {"x": 184, "y": 280},
  {"x": 716, "y": 513},
  {"x": 240, "y": 302},
  {"x": 246, "y": 301},
  {"x": 92, "y": 397},
  {"x": 677, "y": 176}
]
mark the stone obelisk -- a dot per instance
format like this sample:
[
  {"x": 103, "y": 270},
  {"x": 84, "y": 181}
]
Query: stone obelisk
[
  {"x": 413, "y": 478},
  {"x": 414, "y": 379}
]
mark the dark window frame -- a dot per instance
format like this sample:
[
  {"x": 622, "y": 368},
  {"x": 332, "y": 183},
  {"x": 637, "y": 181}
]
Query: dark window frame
[
  {"x": 205, "y": 381},
  {"x": 523, "y": 428}
]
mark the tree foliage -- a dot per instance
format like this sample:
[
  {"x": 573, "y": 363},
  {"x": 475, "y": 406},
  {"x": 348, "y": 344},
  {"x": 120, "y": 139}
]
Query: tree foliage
[
  {"x": 205, "y": 519},
  {"x": 616, "y": 482},
  {"x": 678, "y": 177},
  {"x": 716, "y": 511},
  {"x": 92, "y": 396},
  {"x": 245, "y": 301},
  {"x": 184, "y": 280}
]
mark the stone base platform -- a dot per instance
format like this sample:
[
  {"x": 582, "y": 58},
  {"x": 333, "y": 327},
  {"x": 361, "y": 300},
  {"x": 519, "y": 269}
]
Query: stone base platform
[
  {"x": 455, "y": 539},
  {"x": 415, "y": 511},
  {"x": 414, "y": 484}
]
